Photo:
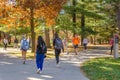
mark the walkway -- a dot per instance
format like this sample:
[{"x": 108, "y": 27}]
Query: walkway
[{"x": 11, "y": 68}]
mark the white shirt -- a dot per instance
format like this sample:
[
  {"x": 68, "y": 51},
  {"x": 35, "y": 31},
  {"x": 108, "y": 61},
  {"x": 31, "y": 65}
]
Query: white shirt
[
  {"x": 85, "y": 41},
  {"x": 5, "y": 41}
]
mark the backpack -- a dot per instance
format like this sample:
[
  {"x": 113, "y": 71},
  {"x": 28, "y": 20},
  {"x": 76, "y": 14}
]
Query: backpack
[
  {"x": 58, "y": 43},
  {"x": 16, "y": 41},
  {"x": 25, "y": 45},
  {"x": 42, "y": 48}
]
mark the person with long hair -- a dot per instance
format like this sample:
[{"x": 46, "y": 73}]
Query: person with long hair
[{"x": 40, "y": 54}]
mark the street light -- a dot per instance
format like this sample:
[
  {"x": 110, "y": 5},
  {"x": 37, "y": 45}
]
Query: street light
[
  {"x": 69, "y": 3},
  {"x": 62, "y": 11}
]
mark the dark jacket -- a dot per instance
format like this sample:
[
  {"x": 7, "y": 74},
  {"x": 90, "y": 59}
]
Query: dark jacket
[{"x": 41, "y": 49}]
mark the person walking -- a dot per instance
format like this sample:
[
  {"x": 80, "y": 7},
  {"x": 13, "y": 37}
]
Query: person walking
[
  {"x": 65, "y": 43},
  {"x": 24, "y": 47},
  {"x": 85, "y": 42},
  {"x": 76, "y": 41},
  {"x": 5, "y": 42},
  {"x": 58, "y": 46},
  {"x": 41, "y": 49},
  {"x": 111, "y": 45},
  {"x": 15, "y": 43}
]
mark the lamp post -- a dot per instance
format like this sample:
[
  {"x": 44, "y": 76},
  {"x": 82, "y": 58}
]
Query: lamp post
[{"x": 62, "y": 11}]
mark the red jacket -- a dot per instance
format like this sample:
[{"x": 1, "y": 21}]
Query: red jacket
[{"x": 111, "y": 42}]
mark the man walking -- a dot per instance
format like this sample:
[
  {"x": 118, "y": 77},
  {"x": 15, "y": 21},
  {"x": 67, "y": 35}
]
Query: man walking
[
  {"x": 58, "y": 46},
  {"x": 76, "y": 41}
]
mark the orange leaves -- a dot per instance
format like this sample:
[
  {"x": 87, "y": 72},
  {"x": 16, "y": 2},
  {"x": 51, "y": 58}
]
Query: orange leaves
[
  {"x": 50, "y": 22},
  {"x": 46, "y": 9}
]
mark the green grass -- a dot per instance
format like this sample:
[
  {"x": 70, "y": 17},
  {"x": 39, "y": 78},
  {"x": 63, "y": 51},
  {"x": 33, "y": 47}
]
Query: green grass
[{"x": 102, "y": 69}]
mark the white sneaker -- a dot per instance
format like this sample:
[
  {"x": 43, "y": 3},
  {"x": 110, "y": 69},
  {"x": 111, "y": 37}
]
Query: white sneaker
[{"x": 38, "y": 71}]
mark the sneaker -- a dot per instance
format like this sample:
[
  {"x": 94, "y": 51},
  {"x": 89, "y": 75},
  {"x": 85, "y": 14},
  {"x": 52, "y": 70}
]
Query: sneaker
[
  {"x": 38, "y": 71},
  {"x": 57, "y": 65},
  {"x": 23, "y": 62},
  {"x": 76, "y": 53}
]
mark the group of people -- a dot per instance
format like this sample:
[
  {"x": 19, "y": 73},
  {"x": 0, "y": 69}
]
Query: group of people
[
  {"x": 41, "y": 48},
  {"x": 58, "y": 46},
  {"x": 6, "y": 42},
  {"x": 76, "y": 42}
]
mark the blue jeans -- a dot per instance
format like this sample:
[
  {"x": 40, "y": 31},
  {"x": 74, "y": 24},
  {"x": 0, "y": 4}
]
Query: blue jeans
[{"x": 39, "y": 60}]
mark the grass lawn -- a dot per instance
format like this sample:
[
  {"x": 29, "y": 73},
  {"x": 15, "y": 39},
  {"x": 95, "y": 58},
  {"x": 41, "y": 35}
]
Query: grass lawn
[{"x": 102, "y": 69}]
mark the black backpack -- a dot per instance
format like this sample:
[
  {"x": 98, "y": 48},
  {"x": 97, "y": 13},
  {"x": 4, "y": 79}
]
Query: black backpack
[{"x": 42, "y": 48}]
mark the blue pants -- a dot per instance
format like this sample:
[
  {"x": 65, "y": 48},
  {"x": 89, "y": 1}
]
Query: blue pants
[{"x": 39, "y": 60}]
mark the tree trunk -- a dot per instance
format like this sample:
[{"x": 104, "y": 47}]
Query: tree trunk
[
  {"x": 74, "y": 16},
  {"x": 67, "y": 34},
  {"x": 82, "y": 28},
  {"x": 94, "y": 40},
  {"x": 53, "y": 32},
  {"x": 47, "y": 38},
  {"x": 118, "y": 17},
  {"x": 32, "y": 29},
  {"x": 82, "y": 25},
  {"x": 91, "y": 39}
]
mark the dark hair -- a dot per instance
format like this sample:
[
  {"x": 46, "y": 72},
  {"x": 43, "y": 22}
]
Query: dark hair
[
  {"x": 40, "y": 43},
  {"x": 40, "y": 40},
  {"x": 56, "y": 35}
]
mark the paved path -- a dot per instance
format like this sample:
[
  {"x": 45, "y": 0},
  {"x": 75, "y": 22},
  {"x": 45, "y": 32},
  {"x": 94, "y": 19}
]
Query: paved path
[{"x": 11, "y": 68}]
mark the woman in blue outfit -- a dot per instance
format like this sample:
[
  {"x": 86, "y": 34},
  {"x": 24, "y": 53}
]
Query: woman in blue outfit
[{"x": 40, "y": 54}]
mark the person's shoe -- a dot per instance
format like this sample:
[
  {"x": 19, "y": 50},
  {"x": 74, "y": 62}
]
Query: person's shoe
[
  {"x": 58, "y": 65},
  {"x": 76, "y": 53},
  {"x": 23, "y": 62},
  {"x": 38, "y": 71},
  {"x": 67, "y": 53}
]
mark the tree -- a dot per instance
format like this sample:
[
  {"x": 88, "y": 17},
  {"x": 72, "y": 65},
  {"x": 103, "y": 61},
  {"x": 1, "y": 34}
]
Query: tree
[
  {"x": 84, "y": 10},
  {"x": 31, "y": 9},
  {"x": 113, "y": 8}
]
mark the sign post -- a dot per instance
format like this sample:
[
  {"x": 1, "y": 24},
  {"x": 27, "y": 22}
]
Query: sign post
[{"x": 116, "y": 43}]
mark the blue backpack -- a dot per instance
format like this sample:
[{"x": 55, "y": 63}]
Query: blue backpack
[
  {"x": 58, "y": 43},
  {"x": 25, "y": 45}
]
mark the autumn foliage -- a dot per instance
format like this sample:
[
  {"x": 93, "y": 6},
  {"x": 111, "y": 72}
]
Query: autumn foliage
[{"x": 19, "y": 10}]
